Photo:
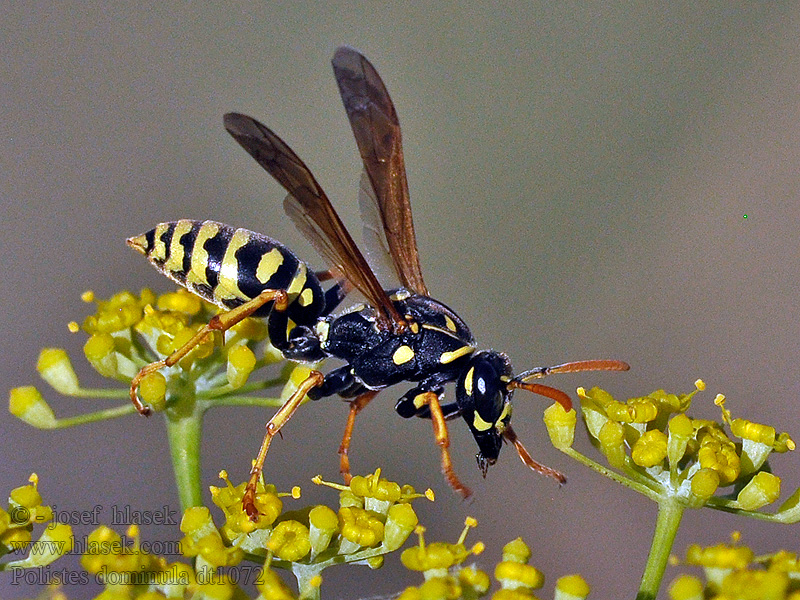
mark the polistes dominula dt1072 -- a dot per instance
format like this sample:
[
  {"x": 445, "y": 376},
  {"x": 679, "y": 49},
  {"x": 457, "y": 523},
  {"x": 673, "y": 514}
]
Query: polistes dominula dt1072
[{"x": 398, "y": 335}]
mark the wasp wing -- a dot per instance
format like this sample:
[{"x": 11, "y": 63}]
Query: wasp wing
[
  {"x": 311, "y": 211},
  {"x": 377, "y": 131}
]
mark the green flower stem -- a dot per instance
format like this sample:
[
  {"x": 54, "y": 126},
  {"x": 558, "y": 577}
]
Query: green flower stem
[
  {"x": 645, "y": 490},
  {"x": 184, "y": 433},
  {"x": 103, "y": 393},
  {"x": 670, "y": 512},
  {"x": 304, "y": 575},
  {"x": 248, "y": 401},
  {"x": 100, "y": 415}
]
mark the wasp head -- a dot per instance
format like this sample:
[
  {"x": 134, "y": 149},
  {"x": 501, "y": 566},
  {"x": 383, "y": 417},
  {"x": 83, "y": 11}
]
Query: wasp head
[{"x": 484, "y": 400}]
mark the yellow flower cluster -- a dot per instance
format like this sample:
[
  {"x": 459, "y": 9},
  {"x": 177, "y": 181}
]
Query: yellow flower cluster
[
  {"x": 374, "y": 517},
  {"x": 25, "y": 510},
  {"x": 129, "y": 331},
  {"x": 733, "y": 571},
  {"x": 654, "y": 441},
  {"x": 447, "y": 579}
]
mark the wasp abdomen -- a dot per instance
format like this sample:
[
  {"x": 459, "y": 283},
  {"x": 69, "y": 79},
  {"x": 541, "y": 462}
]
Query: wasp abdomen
[{"x": 229, "y": 266}]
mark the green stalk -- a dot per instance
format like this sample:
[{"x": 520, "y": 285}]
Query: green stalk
[
  {"x": 670, "y": 512},
  {"x": 305, "y": 585},
  {"x": 184, "y": 430}
]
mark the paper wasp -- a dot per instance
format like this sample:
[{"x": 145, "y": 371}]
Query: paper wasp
[{"x": 396, "y": 336}]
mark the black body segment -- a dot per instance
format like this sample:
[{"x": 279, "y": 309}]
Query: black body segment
[{"x": 228, "y": 267}]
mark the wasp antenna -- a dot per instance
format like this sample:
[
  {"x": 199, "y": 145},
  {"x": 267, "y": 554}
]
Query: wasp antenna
[
  {"x": 543, "y": 390},
  {"x": 526, "y": 458},
  {"x": 574, "y": 367}
]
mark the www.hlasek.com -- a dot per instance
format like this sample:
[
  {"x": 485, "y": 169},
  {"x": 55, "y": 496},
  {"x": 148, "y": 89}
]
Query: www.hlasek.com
[
  {"x": 83, "y": 547},
  {"x": 240, "y": 574}
]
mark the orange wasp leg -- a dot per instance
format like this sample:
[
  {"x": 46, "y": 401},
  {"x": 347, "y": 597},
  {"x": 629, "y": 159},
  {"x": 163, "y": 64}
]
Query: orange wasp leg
[
  {"x": 443, "y": 441},
  {"x": 274, "y": 425},
  {"x": 356, "y": 406},
  {"x": 220, "y": 322},
  {"x": 526, "y": 458}
]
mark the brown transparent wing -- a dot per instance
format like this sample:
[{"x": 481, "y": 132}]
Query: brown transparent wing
[
  {"x": 312, "y": 211},
  {"x": 377, "y": 131}
]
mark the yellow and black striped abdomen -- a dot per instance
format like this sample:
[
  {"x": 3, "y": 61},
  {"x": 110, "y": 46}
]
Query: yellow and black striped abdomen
[{"x": 230, "y": 266}]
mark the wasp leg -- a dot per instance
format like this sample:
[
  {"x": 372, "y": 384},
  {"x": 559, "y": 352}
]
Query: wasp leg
[
  {"x": 356, "y": 406},
  {"x": 274, "y": 425},
  {"x": 526, "y": 458},
  {"x": 431, "y": 399},
  {"x": 406, "y": 408},
  {"x": 220, "y": 322}
]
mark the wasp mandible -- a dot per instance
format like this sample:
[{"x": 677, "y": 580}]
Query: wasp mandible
[{"x": 398, "y": 335}]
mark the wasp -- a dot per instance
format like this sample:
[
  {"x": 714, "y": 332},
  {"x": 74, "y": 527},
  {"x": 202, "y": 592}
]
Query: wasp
[{"x": 397, "y": 335}]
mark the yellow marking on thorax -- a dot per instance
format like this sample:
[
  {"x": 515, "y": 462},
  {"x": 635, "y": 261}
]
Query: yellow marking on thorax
[
  {"x": 268, "y": 264},
  {"x": 176, "y": 250},
  {"x": 197, "y": 274},
  {"x": 228, "y": 284},
  {"x": 402, "y": 355},
  {"x": 450, "y": 324},
  {"x": 448, "y": 357}
]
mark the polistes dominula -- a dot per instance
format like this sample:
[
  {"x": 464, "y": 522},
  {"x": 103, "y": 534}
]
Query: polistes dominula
[{"x": 398, "y": 335}]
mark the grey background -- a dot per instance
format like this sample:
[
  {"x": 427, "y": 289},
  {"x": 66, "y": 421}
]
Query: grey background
[{"x": 579, "y": 175}]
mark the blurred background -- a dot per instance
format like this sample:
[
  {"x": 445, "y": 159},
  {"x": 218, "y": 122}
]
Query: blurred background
[{"x": 589, "y": 180}]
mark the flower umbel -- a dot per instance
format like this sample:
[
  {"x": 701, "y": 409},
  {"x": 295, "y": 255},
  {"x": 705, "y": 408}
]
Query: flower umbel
[
  {"x": 655, "y": 447},
  {"x": 733, "y": 571},
  {"x": 24, "y": 512},
  {"x": 129, "y": 331}
]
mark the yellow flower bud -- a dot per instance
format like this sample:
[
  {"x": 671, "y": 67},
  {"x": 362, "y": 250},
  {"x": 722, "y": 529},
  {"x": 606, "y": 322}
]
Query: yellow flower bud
[
  {"x": 181, "y": 301},
  {"x": 474, "y": 579},
  {"x": 440, "y": 588},
  {"x": 376, "y": 487},
  {"x": 721, "y": 556},
  {"x": 680, "y": 432},
  {"x": 290, "y": 540},
  {"x": 637, "y": 410},
  {"x": 99, "y": 350},
  {"x": 323, "y": 524},
  {"x": 650, "y": 449},
  {"x": 705, "y": 483},
  {"x": 764, "y": 488},
  {"x": 514, "y": 574},
  {"x": 153, "y": 390},
  {"x": 686, "y": 587},
  {"x": 252, "y": 329},
  {"x": 560, "y": 425},
  {"x": 763, "y": 585},
  {"x": 612, "y": 443},
  {"x": 763, "y": 434},
  {"x": 197, "y": 521},
  {"x": 27, "y": 404},
  {"x": 56, "y": 369},
  {"x": 241, "y": 362},
  {"x": 400, "y": 523},
  {"x": 360, "y": 526},
  {"x": 571, "y": 587},
  {"x": 517, "y": 551}
]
